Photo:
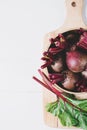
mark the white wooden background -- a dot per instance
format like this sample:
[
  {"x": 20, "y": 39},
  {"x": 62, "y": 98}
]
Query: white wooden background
[{"x": 23, "y": 24}]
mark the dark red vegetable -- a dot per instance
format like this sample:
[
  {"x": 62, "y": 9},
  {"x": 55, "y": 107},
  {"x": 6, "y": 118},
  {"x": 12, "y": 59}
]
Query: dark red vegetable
[
  {"x": 81, "y": 85},
  {"x": 55, "y": 50},
  {"x": 48, "y": 58},
  {"x": 83, "y": 41},
  {"x": 51, "y": 87},
  {"x": 84, "y": 73},
  {"x": 76, "y": 61},
  {"x": 57, "y": 65},
  {"x": 70, "y": 80},
  {"x": 56, "y": 77},
  {"x": 66, "y": 60},
  {"x": 59, "y": 44}
]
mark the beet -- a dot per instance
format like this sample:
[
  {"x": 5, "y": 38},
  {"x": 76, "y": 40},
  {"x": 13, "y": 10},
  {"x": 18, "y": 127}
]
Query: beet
[
  {"x": 70, "y": 80},
  {"x": 57, "y": 65},
  {"x": 84, "y": 73},
  {"x": 76, "y": 61},
  {"x": 66, "y": 60}
]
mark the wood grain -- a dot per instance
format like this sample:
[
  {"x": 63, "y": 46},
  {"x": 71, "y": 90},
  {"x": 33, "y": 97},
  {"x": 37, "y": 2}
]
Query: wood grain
[{"x": 73, "y": 21}]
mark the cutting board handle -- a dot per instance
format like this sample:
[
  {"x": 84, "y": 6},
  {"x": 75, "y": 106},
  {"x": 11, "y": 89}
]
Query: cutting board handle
[{"x": 74, "y": 9}]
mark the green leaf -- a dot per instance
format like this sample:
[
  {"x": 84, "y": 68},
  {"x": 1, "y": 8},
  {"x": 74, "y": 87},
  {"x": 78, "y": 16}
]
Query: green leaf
[
  {"x": 68, "y": 115},
  {"x": 65, "y": 114},
  {"x": 51, "y": 107},
  {"x": 83, "y": 121},
  {"x": 80, "y": 103}
]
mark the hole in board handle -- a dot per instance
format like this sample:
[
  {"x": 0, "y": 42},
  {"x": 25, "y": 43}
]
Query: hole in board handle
[{"x": 73, "y": 4}]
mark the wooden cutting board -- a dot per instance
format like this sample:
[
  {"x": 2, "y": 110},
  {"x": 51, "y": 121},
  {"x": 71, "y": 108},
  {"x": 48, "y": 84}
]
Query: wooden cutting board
[{"x": 73, "y": 20}]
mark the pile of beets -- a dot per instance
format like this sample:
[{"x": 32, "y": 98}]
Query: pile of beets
[{"x": 66, "y": 60}]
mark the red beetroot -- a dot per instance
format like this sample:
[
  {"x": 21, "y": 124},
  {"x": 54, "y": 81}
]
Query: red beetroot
[
  {"x": 76, "y": 61},
  {"x": 66, "y": 60},
  {"x": 50, "y": 87},
  {"x": 57, "y": 66},
  {"x": 81, "y": 85},
  {"x": 70, "y": 80},
  {"x": 84, "y": 73}
]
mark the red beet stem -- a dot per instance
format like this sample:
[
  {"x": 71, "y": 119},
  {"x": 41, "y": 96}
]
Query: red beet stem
[
  {"x": 56, "y": 91},
  {"x": 45, "y": 78},
  {"x": 48, "y": 82},
  {"x": 44, "y": 58},
  {"x": 55, "y": 76},
  {"x": 52, "y": 40},
  {"x": 43, "y": 84},
  {"x": 57, "y": 80},
  {"x": 55, "y": 50},
  {"x": 84, "y": 40},
  {"x": 46, "y": 64},
  {"x": 82, "y": 45}
]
